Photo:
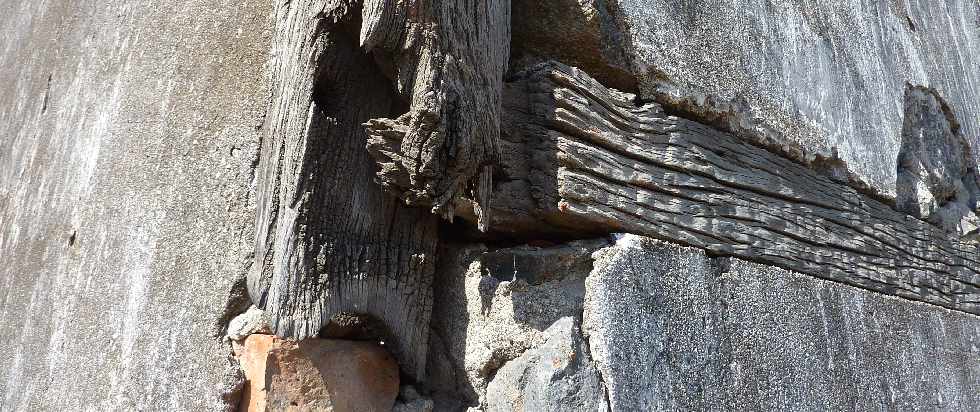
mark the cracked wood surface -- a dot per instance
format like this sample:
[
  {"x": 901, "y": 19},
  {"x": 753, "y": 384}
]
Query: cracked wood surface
[
  {"x": 577, "y": 157},
  {"x": 328, "y": 239},
  {"x": 448, "y": 59}
]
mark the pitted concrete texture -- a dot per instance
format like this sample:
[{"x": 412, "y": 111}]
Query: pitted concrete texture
[
  {"x": 829, "y": 75},
  {"x": 128, "y": 131},
  {"x": 493, "y": 306},
  {"x": 558, "y": 375},
  {"x": 673, "y": 329}
]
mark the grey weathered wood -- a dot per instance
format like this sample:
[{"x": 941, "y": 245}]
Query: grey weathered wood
[
  {"x": 578, "y": 158},
  {"x": 448, "y": 58},
  {"x": 328, "y": 239}
]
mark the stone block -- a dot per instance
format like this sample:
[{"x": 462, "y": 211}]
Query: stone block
[
  {"x": 671, "y": 328},
  {"x": 559, "y": 375},
  {"x": 494, "y": 306},
  {"x": 317, "y": 374}
]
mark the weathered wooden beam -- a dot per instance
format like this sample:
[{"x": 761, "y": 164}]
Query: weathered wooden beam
[
  {"x": 448, "y": 59},
  {"x": 329, "y": 240},
  {"x": 579, "y": 158}
]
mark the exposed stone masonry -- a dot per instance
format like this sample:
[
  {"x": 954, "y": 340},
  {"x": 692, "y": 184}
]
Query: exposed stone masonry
[{"x": 425, "y": 202}]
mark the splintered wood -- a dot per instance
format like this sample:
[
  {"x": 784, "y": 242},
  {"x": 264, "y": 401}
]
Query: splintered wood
[
  {"x": 328, "y": 239},
  {"x": 449, "y": 57},
  {"x": 420, "y": 85}
]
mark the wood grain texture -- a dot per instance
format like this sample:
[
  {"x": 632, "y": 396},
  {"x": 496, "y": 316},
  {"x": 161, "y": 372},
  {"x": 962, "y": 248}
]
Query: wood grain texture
[
  {"x": 448, "y": 59},
  {"x": 328, "y": 239},
  {"x": 577, "y": 158}
]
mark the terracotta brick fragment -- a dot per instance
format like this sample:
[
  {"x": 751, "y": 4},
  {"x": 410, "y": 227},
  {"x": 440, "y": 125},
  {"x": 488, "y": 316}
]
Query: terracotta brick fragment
[{"x": 316, "y": 374}]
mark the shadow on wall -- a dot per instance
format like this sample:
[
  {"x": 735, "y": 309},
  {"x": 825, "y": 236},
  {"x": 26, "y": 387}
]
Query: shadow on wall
[
  {"x": 937, "y": 172},
  {"x": 495, "y": 306}
]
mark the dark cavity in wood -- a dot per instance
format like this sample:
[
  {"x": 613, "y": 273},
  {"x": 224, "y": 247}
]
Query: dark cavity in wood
[{"x": 329, "y": 240}]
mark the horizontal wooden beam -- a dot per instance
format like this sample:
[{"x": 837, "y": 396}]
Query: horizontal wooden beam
[{"x": 579, "y": 158}]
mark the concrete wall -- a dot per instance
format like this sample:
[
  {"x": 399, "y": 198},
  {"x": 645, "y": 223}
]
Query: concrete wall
[
  {"x": 827, "y": 74},
  {"x": 128, "y": 130},
  {"x": 674, "y": 329},
  {"x": 667, "y": 327}
]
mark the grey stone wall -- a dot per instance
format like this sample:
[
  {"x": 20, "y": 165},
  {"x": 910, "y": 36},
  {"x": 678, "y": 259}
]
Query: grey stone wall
[
  {"x": 669, "y": 328},
  {"x": 128, "y": 131},
  {"x": 673, "y": 329},
  {"x": 829, "y": 75}
]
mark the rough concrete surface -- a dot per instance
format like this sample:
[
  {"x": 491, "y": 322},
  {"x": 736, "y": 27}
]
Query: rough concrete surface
[
  {"x": 559, "y": 375},
  {"x": 494, "y": 306},
  {"x": 826, "y": 74},
  {"x": 252, "y": 321},
  {"x": 580, "y": 33},
  {"x": 937, "y": 173},
  {"x": 668, "y": 327},
  {"x": 673, "y": 329},
  {"x": 128, "y": 131}
]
